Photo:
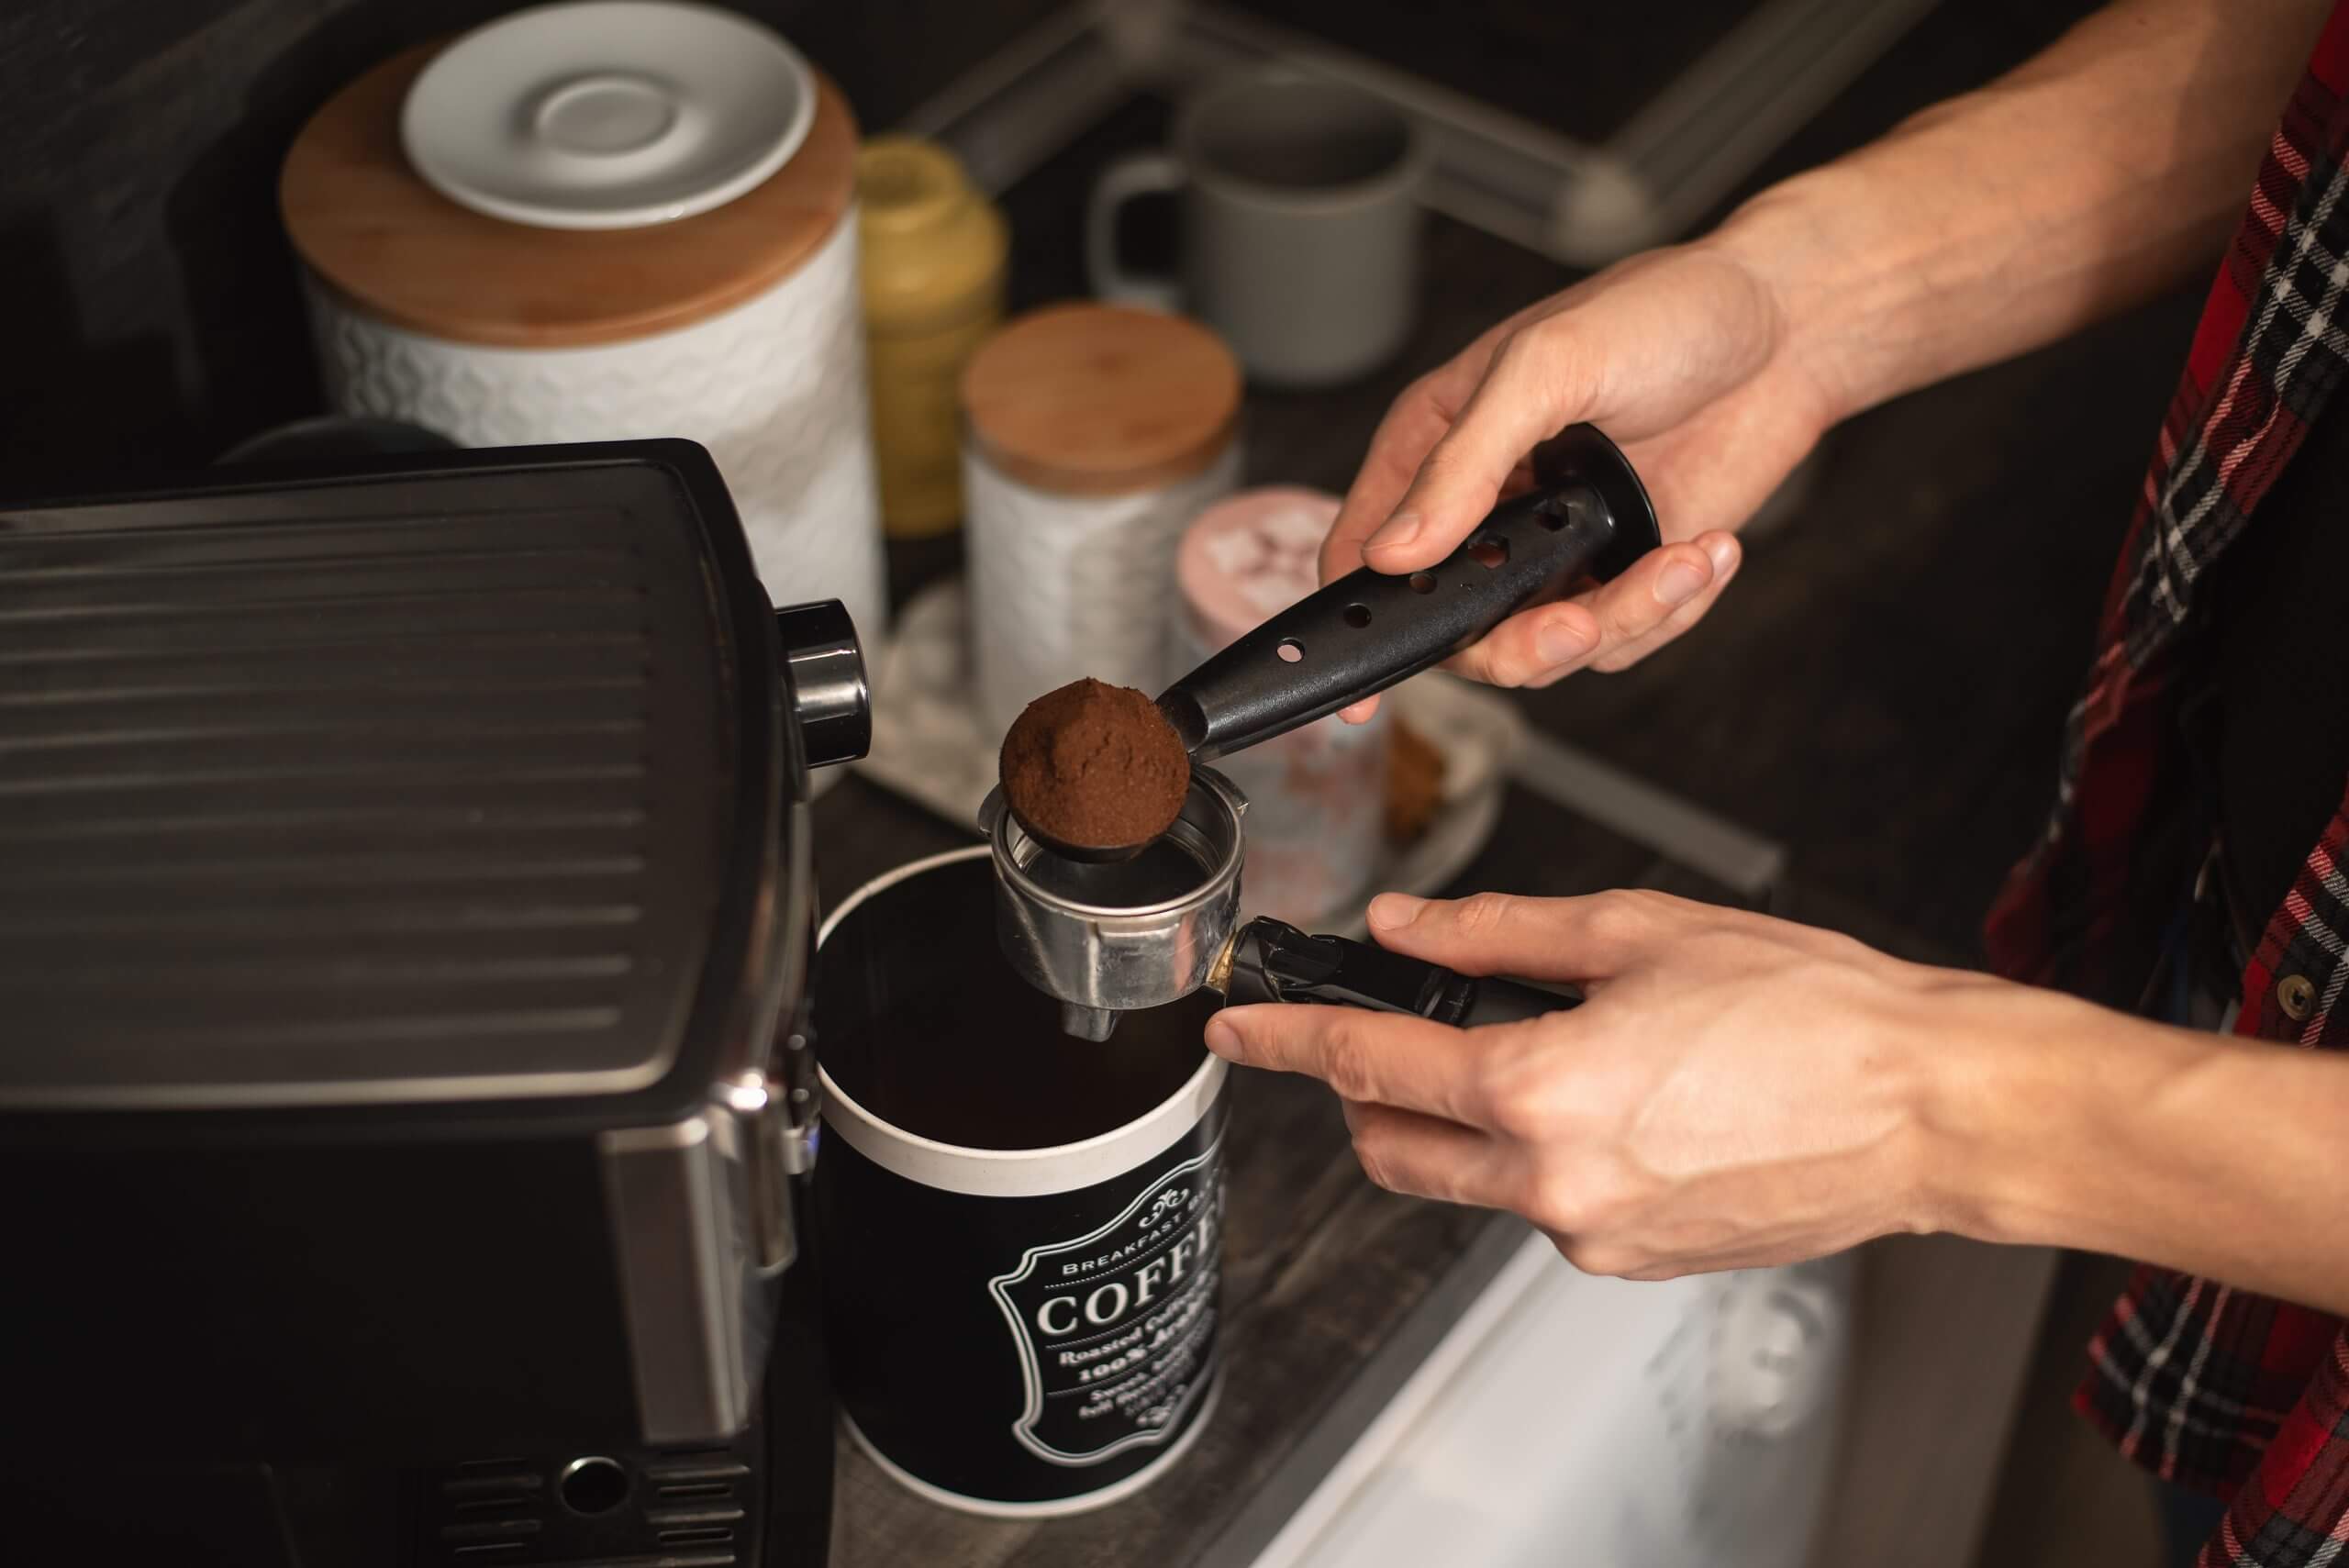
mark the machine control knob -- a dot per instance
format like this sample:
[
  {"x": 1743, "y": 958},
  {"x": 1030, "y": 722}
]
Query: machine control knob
[{"x": 824, "y": 672}]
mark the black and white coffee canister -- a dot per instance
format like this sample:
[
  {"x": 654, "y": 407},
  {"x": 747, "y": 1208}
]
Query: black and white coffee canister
[{"x": 1023, "y": 1232}]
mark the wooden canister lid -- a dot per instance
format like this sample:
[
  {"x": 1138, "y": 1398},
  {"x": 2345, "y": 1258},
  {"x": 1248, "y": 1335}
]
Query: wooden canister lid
[
  {"x": 404, "y": 253},
  {"x": 1101, "y": 399}
]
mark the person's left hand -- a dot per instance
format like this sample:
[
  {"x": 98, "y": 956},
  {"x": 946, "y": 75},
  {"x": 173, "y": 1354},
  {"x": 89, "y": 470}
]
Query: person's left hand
[{"x": 1736, "y": 1090}]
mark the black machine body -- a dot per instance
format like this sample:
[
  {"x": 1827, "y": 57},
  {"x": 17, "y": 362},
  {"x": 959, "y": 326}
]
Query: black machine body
[{"x": 408, "y": 909}]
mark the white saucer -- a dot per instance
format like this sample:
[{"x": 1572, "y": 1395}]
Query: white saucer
[{"x": 609, "y": 114}]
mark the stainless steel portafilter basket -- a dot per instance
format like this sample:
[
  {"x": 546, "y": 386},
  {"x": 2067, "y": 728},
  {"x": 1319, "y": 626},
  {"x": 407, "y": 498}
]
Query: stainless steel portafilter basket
[{"x": 1111, "y": 937}]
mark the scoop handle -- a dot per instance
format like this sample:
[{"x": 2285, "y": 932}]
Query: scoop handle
[{"x": 1353, "y": 637}]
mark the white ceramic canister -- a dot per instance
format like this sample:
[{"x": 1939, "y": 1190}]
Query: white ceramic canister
[
  {"x": 738, "y": 327},
  {"x": 1092, "y": 435},
  {"x": 1316, "y": 795}
]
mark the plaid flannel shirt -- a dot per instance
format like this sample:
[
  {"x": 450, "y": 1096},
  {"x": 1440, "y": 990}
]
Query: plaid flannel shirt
[{"x": 2209, "y": 1386}]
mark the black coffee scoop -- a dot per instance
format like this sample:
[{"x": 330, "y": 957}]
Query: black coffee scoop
[{"x": 1587, "y": 516}]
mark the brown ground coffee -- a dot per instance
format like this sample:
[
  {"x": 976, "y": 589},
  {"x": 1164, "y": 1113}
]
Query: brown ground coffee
[{"x": 1095, "y": 766}]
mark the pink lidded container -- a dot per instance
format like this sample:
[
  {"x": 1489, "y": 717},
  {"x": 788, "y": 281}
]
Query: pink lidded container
[{"x": 1317, "y": 795}]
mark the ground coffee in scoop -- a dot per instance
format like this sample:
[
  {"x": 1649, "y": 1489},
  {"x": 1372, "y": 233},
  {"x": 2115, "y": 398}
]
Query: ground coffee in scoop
[{"x": 1094, "y": 767}]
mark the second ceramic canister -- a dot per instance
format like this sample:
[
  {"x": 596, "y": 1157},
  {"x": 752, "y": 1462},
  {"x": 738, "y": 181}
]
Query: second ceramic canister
[
  {"x": 1317, "y": 795},
  {"x": 932, "y": 273},
  {"x": 1092, "y": 434}
]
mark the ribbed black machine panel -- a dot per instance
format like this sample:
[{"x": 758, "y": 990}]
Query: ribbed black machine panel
[{"x": 419, "y": 789}]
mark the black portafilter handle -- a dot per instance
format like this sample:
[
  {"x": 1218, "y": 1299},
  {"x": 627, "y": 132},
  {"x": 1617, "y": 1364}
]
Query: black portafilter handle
[
  {"x": 1274, "y": 962},
  {"x": 1587, "y": 516}
]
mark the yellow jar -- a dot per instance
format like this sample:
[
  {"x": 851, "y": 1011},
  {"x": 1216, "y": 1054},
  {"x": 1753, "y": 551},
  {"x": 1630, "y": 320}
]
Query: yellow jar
[{"x": 933, "y": 254}]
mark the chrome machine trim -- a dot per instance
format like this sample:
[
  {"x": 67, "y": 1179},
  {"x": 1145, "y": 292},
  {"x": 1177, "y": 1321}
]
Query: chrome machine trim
[{"x": 699, "y": 1316}]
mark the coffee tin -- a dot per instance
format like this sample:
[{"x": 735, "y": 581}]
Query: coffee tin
[{"x": 1018, "y": 1331}]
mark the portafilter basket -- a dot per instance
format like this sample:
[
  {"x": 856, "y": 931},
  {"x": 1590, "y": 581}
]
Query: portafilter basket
[{"x": 1110, "y": 939}]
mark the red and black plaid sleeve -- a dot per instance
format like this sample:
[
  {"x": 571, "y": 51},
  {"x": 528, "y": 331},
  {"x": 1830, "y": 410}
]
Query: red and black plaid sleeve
[{"x": 2206, "y": 1385}]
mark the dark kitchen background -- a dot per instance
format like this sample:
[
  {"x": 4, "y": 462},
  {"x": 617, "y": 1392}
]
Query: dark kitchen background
[{"x": 155, "y": 316}]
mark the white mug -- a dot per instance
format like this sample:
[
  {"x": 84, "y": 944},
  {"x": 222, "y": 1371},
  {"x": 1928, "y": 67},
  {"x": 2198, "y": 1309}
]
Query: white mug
[{"x": 1300, "y": 225}]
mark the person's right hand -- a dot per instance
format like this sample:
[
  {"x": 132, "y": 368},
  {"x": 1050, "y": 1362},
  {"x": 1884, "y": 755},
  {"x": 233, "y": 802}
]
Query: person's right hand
[{"x": 1681, "y": 356}]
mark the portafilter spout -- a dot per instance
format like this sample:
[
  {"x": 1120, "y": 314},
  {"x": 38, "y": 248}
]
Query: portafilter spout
[{"x": 1096, "y": 1024}]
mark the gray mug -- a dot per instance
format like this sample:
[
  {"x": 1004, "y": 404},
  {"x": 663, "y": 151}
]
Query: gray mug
[{"x": 1299, "y": 220}]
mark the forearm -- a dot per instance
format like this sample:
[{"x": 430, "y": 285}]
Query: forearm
[
  {"x": 2054, "y": 1122},
  {"x": 2085, "y": 182}
]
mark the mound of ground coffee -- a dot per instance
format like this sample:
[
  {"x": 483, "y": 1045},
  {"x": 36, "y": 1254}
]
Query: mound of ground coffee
[{"x": 1094, "y": 767}]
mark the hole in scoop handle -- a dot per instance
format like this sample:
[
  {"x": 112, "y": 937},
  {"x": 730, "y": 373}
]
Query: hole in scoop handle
[{"x": 1363, "y": 633}]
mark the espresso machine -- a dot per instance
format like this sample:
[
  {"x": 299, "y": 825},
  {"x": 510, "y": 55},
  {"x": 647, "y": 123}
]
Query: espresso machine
[{"x": 405, "y": 1070}]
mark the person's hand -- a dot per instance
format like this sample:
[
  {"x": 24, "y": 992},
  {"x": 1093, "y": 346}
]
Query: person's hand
[
  {"x": 1681, "y": 356},
  {"x": 1736, "y": 1090}
]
